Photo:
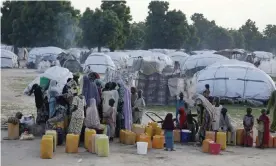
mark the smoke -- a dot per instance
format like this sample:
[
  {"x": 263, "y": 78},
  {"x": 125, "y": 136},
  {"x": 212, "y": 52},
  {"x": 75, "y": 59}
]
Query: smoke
[{"x": 69, "y": 31}]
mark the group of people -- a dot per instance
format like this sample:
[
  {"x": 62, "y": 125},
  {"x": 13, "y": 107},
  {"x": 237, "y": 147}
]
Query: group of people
[
  {"x": 212, "y": 116},
  {"x": 86, "y": 103}
]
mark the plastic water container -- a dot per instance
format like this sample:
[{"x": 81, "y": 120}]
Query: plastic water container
[
  {"x": 185, "y": 136},
  {"x": 142, "y": 148}
]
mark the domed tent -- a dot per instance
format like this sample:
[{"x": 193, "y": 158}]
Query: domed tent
[
  {"x": 269, "y": 67},
  {"x": 72, "y": 65},
  {"x": 232, "y": 62},
  {"x": 195, "y": 63},
  {"x": 136, "y": 54},
  {"x": 119, "y": 59},
  {"x": 262, "y": 55},
  {"x": 235, "y": 81},
  {"x": 37, "y": 54},
  {"x": 178, "y": 56},
  {"x": 99, "y": 62},
  {"x": 8, "y": 59}
]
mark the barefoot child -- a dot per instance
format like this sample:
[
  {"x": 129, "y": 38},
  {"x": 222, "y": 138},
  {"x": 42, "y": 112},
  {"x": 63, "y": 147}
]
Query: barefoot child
[
  {"x": 110, "y": 117},
  {"x": 168, "y": 126},
  {"x": 263, "y": 129},
  {"x": 248, "y": 123}
]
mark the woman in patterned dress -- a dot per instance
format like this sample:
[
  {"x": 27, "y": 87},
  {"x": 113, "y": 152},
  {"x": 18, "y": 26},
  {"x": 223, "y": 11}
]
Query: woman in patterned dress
[{"x": 77, "y": 118}]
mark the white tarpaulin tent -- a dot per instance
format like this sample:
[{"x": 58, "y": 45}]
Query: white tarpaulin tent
[
  {"x": 235, "y": 81},
  {"x": 57, "y": 73},
  {"x": 262, "y": 55},
  {"x": 8, "y": 59},
  {"x": 198, "y": 52},
  {"x": 269, "y": 67},
  {"x": 232, "y": 62},
  {"x": 40, "y": 52},
  {"x": 119, "y": 59},
  {"x": 194, "y": 63},
  {"x": 178, "y": 56},
  {"x": 99, "y": 62},
  {"x": 135, "y": 54}
]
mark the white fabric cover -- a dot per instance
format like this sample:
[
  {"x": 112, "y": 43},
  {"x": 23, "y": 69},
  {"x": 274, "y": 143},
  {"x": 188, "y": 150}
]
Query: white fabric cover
[
  {"x": 8, "y": 59},
  {"x": 119, "y": 59},
  {"x": 198, "y": 52},
  {"x": 201, "y": 60},
  {"x": 43, "y": 66},
  {"x": 57, "y": 73},
  {"x": 235, "y": 80},
  {"x": 178, "y": 56},
  {"x": 135, "y": 54},
  {"x": 263, "y": 55},
  {"x": 269, "y": 67},
  {"x": 232, "y": 62},
  {"x": 99, "y": 62},
  {"x": 43, "y": 51}
]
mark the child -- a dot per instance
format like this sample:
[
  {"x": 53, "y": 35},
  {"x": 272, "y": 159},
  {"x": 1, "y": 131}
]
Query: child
[
  {"x": 110, "y": 117},
  {"x": 263, "y": 129},
  {"x": 168, "y": 126},
  {"x": 248, "y": 123}
]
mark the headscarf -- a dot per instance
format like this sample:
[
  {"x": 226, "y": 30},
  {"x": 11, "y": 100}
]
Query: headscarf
[
  {"x": 90, "y": 91},
  {"x": 92, "y": 119},
  {"x": 168, "y": 122}
]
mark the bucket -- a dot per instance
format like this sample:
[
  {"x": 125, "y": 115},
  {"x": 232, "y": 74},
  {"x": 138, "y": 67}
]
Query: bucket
[
  {"x": 185, "y": 136},
  {"x": 44, "y": 82},
  {"x": 142, "y": 148}
]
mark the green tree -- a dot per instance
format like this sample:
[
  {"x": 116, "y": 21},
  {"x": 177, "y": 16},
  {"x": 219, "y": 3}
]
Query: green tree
[
  {"x": 219, "y": 38},
  {"x": 137, "y": 36},
  {"x": 155, "y": 24},
  {"x": 11, "y": 11},
  {"x": 270, "y": 37},
  {"x": 177, "y": 29},
  {"x": 238, "y": 38},
  {"x": 123, "y": 14},
  {"x": 193, "y": 40},
  {"x": 101, "y": 28},
  {"x": 40, "y": 24}
]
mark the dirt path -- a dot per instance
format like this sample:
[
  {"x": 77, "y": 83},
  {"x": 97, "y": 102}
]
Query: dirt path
[{"x": 26, "y": 153}]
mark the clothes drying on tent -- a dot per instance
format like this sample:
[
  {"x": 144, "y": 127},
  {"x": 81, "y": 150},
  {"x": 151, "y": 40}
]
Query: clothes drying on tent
[
  {"x": 8, "y": 59},
  {"x": 236, "y": 81},
  {"x": 99, "y": 62}
]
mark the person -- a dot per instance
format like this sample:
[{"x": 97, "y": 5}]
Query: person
[
  {"x": 248, "y": 123},
  {"x": 179, "y": 103},
  {"x": 218, "y": 107},
  {"x": 76, "y": 77},
  {"x": 272, "y": 104},
  {"x": 134, "y": 95},
  {"x": 110, "y": 117},
  {"x": 263, "y": 129},
  {"x": 90, "y": 91},
  {"x": 191, "y": 126},
  {"x": 168, "y": 126},
  {"x": 182, "y": 118},
  {"x": 92, "y": 119},
  {"x": 204, "y": 121},
  {"x": 225, "y": 124},
  {"x": 137, "y": 111},
  {"x": 36, "y": 89},
  {"x": 206, "y": 92},
  {"x": 77, "y": 118},
  {"x": 52, "y": 94},
  {"x": 58, "y": 117}
]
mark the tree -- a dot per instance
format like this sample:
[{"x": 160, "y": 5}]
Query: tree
[
  {"x": 123, "y": 14},
  {"x": 11, "y": 10},
  {"x": 102, "y": 28},
  {"x": 238, "y": 39},
  {"x": 137, "y": 36},
  {"x": 155, "y": 24},
  {"x": 177, "y": 29},
  {"x": 251, "y": 34},
  {"x": 270, "y": 38},
  {"x": 40, "y": 24},
  {"x": 219, "y": 38},
  {"x": 193, "y": 40}
]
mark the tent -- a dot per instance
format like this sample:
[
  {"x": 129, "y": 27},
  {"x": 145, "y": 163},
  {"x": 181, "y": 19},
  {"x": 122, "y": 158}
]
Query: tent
[
  {"x": 76, "y": 52},
  {"x": 119, "y": 59},
  {"x": 178, "y": 56},
  {"x": 57, "y": 73},
  {"x": 262, "y": 55},
  {"x": 135, "y": 54},
  {"x": 72, "y": 65},
  {"x": 37, "y": 54},
  {"x": 195, "y": 63},
  {"x": 99, "y": 62},
  {"x": 8, "y": 59},
  {"x": 232, "y": 62},
  {"x": 269, "y": 67},
  {"x": 235, "y": 81},
  {"x": 198, "y": 52}
]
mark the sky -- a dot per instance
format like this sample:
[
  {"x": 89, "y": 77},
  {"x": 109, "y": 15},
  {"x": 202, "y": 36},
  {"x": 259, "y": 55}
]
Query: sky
[{"x": 226, "y": 13}]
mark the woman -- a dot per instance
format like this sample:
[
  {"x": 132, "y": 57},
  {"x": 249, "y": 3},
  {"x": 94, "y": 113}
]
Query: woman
[
  {"x": 90, "y": 91},
  {"x": 263, "y": 129},
  {"x": 168, "y": 126},
  {"x": 52, "y": 94},
  {"x": 92, "y": 119},
  {"x": 41, "y": 114},
  {"x": 179, "y": 103},
  {"x": 59, "y": 114},
  {"x": 225, "y": 124},
  {"x": 139, "y": 104},
  {"x": 272, "y": 104},
  {"x": 218, "y": 107}
]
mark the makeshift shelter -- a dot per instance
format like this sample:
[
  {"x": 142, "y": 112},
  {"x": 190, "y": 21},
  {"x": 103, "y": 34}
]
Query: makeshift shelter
[
  {"x": 195, "y": 63},
  {"x": 178, "y": 56},
  {"x": 239, "y": 54},
  {"x": 236, "y": 81},
  {"x": 119, "y": 59},
  {"x": 262, "y": 55},
  {"x": 62, "y": 57},
  {"x": 8, "y": 59},
  {"x": 76, "y": 52},
  {"x": 198, "y": 52},
  {"x": 57, "y": 73},
  {"x": 37, "y": 54},
  {"x": 99, "y": 62},
  {"x": 72, "y": 65},
  {"x": 269, "y": 67},
  {"x": 136, "y": 54}
]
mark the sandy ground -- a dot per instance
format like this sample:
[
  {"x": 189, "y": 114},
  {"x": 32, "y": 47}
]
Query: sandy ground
[{"x": 26, "y": 153}]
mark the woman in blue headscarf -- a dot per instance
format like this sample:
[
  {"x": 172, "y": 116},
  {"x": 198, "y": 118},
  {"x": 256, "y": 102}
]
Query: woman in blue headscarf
[
  {"x": 90, "y": 91},
  {"x": 52, "y": 94}
]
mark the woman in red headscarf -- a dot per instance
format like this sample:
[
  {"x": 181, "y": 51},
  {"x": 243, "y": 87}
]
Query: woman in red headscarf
[{"x": 182, "y": 118}]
